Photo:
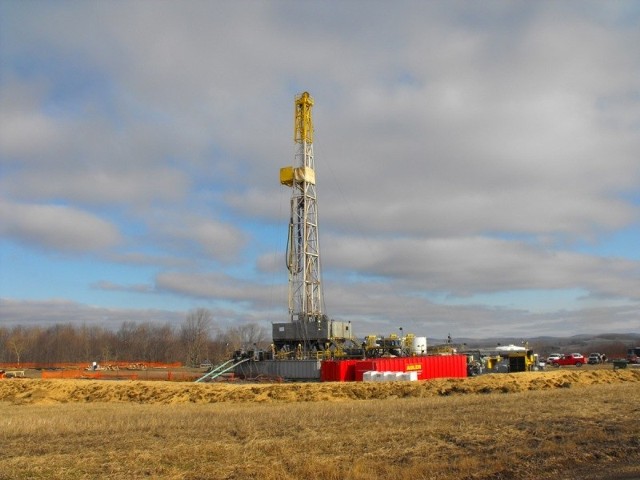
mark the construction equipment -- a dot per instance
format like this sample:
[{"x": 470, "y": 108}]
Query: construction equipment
[{"x": 309, "y": 330}]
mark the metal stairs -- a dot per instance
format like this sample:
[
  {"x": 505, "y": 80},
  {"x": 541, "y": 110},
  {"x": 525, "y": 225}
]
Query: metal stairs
[{"x": 222, "y": 368}]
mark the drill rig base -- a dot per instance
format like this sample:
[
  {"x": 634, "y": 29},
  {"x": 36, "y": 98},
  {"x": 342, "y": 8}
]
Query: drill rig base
[{"x": 313, "y": 335}]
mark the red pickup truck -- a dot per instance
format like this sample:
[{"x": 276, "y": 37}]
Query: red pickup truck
[{"x": 576, "y": 359}]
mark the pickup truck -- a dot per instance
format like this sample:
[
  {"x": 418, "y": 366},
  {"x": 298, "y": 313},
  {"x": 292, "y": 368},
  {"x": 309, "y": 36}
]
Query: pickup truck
[{"x": 576, "y": 359}]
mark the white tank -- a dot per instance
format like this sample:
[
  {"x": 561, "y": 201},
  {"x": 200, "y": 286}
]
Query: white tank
[
  {"x": 419, "y": 346},
  {"x": 510, "y": 348}
]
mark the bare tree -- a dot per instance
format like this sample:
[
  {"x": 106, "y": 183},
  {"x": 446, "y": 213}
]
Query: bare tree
[
  {"x": 231, "y": 339},
  {"x": 4, "y": 335},
  {"x": 197, "y": 339},
  {"x": 245, "y": 336},
  {"x": 164, "y": 343},
  {"x": 252, "y": 334},
  {"x": 194, "y": 334},
  {"x": 125, "y": 338},
  {"x": 18, "y": 342}
]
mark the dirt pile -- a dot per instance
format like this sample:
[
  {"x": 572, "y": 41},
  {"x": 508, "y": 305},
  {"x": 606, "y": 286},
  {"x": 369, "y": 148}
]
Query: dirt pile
[{"x": 28, "y": 391}]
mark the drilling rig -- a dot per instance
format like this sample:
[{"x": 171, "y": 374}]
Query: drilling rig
[
  {"x": 310, "y": 337},
  {"x": 308, "y": 330}
]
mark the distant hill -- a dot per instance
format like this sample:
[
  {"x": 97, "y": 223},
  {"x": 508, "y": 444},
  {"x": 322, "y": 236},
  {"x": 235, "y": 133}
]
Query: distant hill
[{"x": 611, "y": 344}]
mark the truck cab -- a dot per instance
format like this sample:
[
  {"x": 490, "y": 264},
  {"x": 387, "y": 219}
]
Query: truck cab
[
  {"x": 633, "y": 355},
  {"x": 576, "y": 359}
]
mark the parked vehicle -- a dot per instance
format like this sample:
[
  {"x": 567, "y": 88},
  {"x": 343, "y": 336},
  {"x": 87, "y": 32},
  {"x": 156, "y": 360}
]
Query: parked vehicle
[
  {"x": 595, "y": 359},
  {"x": 633, "y": 355},
  {"x": 576, "y": 359},
  {"x": 553, "y": 356}
]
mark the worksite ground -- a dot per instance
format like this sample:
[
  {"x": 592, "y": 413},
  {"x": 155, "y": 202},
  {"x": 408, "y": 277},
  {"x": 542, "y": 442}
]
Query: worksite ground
[
  {"x": 560, "y": 424},
  {"x": 149, "y": 371},
  {"x": 121, "y": 371}
]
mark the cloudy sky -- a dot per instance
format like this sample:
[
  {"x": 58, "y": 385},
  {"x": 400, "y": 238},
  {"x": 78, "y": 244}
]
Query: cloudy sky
[{"x": 478, "y": 163}]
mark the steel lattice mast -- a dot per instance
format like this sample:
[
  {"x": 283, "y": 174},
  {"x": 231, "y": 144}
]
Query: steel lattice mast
[{"x": 303, "y": 249}]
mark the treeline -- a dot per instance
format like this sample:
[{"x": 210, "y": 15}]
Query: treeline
[{"x": 197, "y": 339}]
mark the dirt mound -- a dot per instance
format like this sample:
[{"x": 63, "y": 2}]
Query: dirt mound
[{"x": 21, "y": 391}]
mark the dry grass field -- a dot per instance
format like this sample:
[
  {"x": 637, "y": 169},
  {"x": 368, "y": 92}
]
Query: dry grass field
[{"x": 563, "y": 424}]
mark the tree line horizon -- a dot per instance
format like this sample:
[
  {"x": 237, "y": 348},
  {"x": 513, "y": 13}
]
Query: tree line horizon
[{"x": 196, "y": 340}]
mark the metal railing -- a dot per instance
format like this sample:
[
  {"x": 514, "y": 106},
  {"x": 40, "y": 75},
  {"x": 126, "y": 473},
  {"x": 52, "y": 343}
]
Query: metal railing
[{"x": 222, "y": 369}]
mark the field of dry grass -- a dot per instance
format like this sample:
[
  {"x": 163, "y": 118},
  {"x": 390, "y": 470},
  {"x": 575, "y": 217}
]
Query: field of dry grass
[{"x": 550, "y": 425}]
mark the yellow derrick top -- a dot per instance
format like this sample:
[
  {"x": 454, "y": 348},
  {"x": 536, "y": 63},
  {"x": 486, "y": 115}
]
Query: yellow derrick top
[{"x": 303, "y": 123}]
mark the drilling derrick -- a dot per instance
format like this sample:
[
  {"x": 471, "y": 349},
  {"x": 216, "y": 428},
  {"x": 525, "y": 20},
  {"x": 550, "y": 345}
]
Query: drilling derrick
[
  {"x": 303, "y": 253},
  {"x": 308, "y": 328}
]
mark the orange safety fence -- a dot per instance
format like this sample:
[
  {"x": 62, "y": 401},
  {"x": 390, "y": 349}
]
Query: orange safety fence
[{"x": 119, "y": 363}]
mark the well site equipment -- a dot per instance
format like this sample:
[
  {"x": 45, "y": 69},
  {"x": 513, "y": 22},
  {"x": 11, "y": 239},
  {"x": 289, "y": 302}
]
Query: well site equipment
[{"x": 311, "y": 345}]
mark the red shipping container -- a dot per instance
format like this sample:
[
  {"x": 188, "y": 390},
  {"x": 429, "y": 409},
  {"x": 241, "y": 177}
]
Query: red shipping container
[
  {"x": 327, "y": 371},
  {"x": 445, "y": 366},
  {"x": 338, "y": 371},
  {"x": 362, "y": 366},
  {"x": 350, "y": 371}
]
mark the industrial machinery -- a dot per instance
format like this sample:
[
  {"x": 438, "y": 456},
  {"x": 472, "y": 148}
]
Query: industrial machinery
[
  {"x": 394, "y": 346},
  {"x": 309, "y": 330},
  {"x": 504, "y": 359}
]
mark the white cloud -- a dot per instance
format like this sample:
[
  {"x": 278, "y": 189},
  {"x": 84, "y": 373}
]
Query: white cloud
[
  {"x": 58, "y": 227},
  {"x": 114, "y": 287},
  {"x": 61, "y": 311},
  {"x": 460, "y": 148},
  {"x": 207, "y": 285},
  {"x": 27, "y": 133},
  {"x": 462, "y": 266},
  {"x": 198, "y": 237},
  {"x": 97, "y": 186}
]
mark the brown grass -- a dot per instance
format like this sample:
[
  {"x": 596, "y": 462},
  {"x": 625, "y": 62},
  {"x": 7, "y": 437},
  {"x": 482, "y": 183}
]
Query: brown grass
[{"x": 561, "y": 424}]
